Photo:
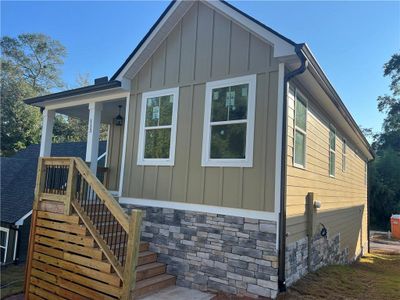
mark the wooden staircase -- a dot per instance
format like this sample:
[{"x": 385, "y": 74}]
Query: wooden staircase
[{"x": 82, "y": 245}]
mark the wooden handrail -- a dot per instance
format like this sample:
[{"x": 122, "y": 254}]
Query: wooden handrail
[
  {"x": 69, "y": 180},
  {"x": 103, "y": 193}
]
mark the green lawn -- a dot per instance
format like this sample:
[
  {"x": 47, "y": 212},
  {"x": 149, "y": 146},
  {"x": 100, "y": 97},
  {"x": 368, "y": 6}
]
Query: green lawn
[
  {"x": 375, "y": 276},
  {"x": 12, "y": 278}
]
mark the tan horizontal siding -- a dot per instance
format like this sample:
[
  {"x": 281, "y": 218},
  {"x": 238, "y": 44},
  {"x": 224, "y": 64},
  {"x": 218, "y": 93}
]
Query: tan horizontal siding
[{"x": 343, "y": 198}]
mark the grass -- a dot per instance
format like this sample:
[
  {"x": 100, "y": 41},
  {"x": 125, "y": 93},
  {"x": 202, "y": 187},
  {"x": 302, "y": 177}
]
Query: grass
[
  {"x": 12, "y": 280},
  {"x": 375, "y": 276}
]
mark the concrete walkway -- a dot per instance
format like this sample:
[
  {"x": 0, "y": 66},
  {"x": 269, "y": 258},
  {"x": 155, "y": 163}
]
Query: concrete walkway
[{"x": 179, "y": 293}]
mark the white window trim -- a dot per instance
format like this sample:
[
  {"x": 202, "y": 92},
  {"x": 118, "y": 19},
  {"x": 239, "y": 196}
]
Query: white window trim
[
  {"x": 344, "y": 155},
  {"x": 331, "y": 128},
  {"x": 206, "y": 161},
  {"x": 7, "y": 231},
  {"x": 304, "y": 132},
  {"x": 159, "y": 161}
]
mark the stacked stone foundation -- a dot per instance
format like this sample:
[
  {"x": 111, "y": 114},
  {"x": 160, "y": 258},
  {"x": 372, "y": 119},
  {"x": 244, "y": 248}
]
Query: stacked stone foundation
[
  {"x": 214, "y": 252},
  {"x": 325, "y": 251}
]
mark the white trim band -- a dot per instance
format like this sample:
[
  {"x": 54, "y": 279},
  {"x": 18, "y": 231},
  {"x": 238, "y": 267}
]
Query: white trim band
[{"x": 237, "y": 212}]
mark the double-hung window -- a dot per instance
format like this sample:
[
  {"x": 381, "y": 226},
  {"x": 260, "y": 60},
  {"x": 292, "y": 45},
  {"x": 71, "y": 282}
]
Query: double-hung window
[
  {"x": 158, "y": 127},
  {"x": 344, "y": 156},
  {"x": 300, "y": 131},
  {"x": 3, "y": 243},
  {"x": 229, "y": 122},
  {"x": 332, "y": 151}
]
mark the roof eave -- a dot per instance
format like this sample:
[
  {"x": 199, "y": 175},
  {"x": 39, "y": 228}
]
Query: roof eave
[
  {"x": 324, "y": 81},
  {"x": 38, "y": 101}
]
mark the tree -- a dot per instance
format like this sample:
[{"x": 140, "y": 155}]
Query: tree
[
  {"x": 30, "y": 66},
  {"x": 384, "y": 171}
]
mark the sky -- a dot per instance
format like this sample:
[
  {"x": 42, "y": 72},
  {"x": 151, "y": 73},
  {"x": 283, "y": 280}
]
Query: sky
[{"x": 351, "y": 40}]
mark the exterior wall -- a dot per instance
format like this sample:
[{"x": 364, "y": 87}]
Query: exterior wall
[
  {"x": 213, "y": 252},
  {"x": 114, "y": 159},
  {"x": 206, "y": 46},
  {"x": 343, "y": 197}
]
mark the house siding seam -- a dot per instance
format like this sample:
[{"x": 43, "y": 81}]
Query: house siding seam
[{"x": 214, "y": 252}]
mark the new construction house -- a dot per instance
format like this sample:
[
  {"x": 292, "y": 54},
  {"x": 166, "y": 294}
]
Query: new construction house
[{"x": 242, "y": 165}]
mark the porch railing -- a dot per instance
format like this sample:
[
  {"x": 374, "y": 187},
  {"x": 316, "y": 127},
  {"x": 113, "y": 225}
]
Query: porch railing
[{"x": 70, "y": 182}]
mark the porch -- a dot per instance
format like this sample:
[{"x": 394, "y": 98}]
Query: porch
[
  {"x": 102, "y": 105},
  {"x": 83, "y": 245}
]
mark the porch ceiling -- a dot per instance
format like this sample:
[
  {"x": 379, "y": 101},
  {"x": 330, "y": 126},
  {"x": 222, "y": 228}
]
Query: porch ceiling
[{"x": 109, "y": 112}]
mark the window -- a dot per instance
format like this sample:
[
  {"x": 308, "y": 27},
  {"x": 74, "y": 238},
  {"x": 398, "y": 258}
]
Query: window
[
  {"x": 300, "y": 131},
  {"x": 229, "y": 122},
  {"x": 344, "y": 152},
  {"x": 3, "y": 243},
  {"x": 332, "y": 151},
  {"x": 158, "y": 127}
]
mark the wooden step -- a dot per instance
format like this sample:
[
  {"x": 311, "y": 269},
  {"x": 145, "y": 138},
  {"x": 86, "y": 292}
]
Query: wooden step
[
  {"x": 153, "y": 284},
  {"x": 149, "y": 270},
  {"x": 146, "y": 257}
]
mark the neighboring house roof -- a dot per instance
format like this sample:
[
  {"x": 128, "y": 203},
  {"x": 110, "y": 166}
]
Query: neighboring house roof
[{"x": 18, "y": 177}]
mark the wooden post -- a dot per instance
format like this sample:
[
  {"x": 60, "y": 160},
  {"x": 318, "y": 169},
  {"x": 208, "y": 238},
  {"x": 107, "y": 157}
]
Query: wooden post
[
  {"x": 40, "y": 174},
  {"x": 310, "y": 226},
  {"x": 132, "y": 253},
  {"x": 29, "y": 255},
  {"x": 71, "y": 187}
]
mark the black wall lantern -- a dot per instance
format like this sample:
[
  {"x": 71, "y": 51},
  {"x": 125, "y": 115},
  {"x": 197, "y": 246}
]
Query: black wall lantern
[{"x": 119, "y": 120}]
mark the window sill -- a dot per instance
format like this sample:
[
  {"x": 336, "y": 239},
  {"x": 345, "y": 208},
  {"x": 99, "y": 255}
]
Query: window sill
[
  {"x": 155, "y": 162},
  {"x": 229, "y": 163},
  {"x": 299, "y": 167}
]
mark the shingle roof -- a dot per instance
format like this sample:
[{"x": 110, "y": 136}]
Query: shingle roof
[{"x": 18, "y": 176}]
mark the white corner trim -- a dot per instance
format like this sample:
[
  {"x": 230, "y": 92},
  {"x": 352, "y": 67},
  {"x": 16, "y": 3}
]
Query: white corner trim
[
  {"x": 124, "y": 145},
  {"x": 15, "y": 244},
  {"x": 206, "y": 161},
  {"x": 23, "y": 218},
  {"x": 158, "y": 161},
  {"x": 278, "y": 149},
  {"x": 237, "y": 212}
]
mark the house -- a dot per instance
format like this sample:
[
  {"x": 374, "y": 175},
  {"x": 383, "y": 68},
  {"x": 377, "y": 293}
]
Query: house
[
  {"x": 249, "y": 169},
  {"x": 18, "y": 177}
]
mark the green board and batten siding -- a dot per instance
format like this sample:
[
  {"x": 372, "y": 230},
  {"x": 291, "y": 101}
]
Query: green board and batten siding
[{"x": 205, "y": 46}]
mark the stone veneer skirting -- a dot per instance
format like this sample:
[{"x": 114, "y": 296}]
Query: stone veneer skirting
[
  {"x": 213, "y": 252},
  {"x": 325, "y": 251}
]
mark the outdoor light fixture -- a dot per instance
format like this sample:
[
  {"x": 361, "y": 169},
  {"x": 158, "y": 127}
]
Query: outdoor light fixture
[{"x": 119, "y": 120}]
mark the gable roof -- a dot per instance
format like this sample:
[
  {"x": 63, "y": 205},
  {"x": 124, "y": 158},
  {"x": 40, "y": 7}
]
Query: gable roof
[
  {"x": 283, "y": 46},
  {"x": 18, "y": 177}
]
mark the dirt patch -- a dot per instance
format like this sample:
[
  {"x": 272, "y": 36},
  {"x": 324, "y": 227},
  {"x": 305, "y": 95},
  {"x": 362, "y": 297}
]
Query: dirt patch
[
  {"x": 12, "y": 280},
  {"x": 375, "y": 276}
]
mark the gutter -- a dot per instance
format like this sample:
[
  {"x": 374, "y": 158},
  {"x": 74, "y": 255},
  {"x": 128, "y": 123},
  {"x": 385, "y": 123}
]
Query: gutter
[{"x": 282, "y": 214}]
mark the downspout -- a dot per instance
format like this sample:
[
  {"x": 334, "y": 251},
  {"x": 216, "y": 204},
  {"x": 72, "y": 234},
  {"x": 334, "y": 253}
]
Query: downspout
[{"x": 282, "y": 215}]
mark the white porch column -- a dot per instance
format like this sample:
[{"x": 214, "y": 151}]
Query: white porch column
[
  {"x": 92, "y": 146},
  {"x": 47, "y": 132}
]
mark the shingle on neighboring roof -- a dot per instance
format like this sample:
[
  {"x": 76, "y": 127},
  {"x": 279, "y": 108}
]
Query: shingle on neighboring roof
[{"x": 18, "y": 177}]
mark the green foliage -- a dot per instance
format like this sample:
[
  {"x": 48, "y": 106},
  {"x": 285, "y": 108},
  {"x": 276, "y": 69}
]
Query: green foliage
[
  {"x": 30, "y": 67},
  {"x": 384, "y": 171}
]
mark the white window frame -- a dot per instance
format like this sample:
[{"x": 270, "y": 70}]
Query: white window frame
[
  {"x": 206, "y": 161},
  {"x": 331, "y": 128},
  {"x": 158, "y": 161},
  {"x": 7, "y": 231},
  {"x": 344, "y": 155},
  {"x": 295, "y": 128}
]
